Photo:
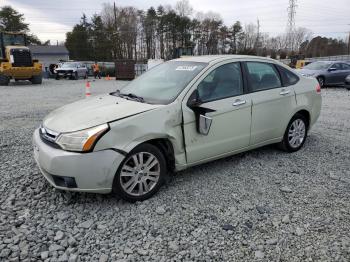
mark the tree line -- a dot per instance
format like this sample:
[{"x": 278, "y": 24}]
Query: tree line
[{"x": 129, "y": 33}]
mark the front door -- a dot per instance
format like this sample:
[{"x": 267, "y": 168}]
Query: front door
[
  {"x": 221, "y": 91},
  {"x": 336, "y": 76}
]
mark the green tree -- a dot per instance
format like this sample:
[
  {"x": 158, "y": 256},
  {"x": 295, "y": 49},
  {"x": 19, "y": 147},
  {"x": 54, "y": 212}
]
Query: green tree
[
  {"x": 236, "y": 34},
  {"x": 101, "y": 44},
  {"x": 79, "y": 42},
  {"x": 11, "y": 20}
]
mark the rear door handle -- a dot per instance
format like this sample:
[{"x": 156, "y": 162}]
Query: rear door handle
[
  {"x": 239, "y": 102},
  {"x": 284, "y": 92}
]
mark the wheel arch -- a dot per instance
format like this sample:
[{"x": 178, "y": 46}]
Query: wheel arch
[
  {"x": 324, "y": 78},
  {"x": 167, "y": 149},
  {"x": 305, "y": 113}
]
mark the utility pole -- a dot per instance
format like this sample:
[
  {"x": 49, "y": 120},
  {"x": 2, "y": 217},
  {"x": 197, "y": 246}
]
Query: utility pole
[
  {"x": 291, "y": 24},
  {"x": 257, "y": 41},
  {"x": 349, "y": 43},
  {"x": 115, "y": 36}
]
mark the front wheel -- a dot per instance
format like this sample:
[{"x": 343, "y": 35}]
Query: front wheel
[
  {"x": 141, "y": 174},
  {"x": 295, "y": 134},
  {"x": 37, "y": 80},
  {"x": 4, "y": 80},
  {"x": 321, "y": 81}
]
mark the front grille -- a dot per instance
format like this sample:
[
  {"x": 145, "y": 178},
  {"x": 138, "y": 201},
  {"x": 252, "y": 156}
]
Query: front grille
[
  {"x": 48, "y": 137},
  {"x": 21, "y": 58},
  {"x": 65, "y": 71}
]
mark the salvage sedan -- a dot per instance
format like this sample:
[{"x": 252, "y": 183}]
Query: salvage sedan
[
  {"x": 72, "y": 70},
  {"x": 179, "y": 114},
  {"x": 327, "y": 72}
]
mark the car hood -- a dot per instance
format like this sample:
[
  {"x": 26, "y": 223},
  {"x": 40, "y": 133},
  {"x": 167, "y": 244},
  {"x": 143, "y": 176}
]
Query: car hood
[
  {"x": 93, "y": 111},
  {"x": 308, "y": 72}
]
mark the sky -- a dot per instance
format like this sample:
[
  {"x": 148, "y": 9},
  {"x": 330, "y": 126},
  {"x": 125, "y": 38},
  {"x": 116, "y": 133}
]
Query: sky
[{"x": 50, "y": 20}]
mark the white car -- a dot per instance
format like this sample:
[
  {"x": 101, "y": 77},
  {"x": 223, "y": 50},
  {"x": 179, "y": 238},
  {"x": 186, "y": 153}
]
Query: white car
[
  {"x": 72, "y": 70},
  {"x": 179, "y": 114}
]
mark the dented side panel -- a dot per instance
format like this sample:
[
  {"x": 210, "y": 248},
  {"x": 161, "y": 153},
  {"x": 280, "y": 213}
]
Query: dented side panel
[{"x": 160, "y": 123}]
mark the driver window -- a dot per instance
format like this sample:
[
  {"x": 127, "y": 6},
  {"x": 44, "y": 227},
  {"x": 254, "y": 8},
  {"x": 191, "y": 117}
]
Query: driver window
[
  {"x": 223, "y": 82},
  {"x": 337, "y": 66}
]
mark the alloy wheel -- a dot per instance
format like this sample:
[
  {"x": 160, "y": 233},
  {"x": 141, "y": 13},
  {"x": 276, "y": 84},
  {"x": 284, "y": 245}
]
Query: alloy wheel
[
  {"x": 140, "y": 173},
  {"x": 296, "y": 133}
]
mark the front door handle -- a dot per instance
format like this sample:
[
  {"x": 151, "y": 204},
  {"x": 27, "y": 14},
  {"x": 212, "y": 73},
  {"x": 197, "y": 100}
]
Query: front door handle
[
  {"x": 284, "y": 92},
  {"x": 239, "y": 102}
]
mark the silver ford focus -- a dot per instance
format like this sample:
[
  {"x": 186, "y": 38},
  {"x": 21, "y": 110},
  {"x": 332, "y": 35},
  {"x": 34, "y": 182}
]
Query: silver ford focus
[{"x": 179, "y": 114}]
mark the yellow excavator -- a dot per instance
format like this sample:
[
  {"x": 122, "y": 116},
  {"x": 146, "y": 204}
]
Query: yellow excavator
[{"x": 16, "y": 60}]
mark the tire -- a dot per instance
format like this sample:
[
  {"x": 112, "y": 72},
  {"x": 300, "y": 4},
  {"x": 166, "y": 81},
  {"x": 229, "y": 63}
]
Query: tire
[
  {"x": 321, "y": 81},
  {"x": 37, "y": 80},
  {"x": 129, "y": 178},
  {"x": 288, "y": 144},
  {"x": 4, "y": 80}
]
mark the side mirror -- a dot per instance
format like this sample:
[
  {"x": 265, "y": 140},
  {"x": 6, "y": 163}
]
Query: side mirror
[
  {"x": 194, "y": 100},
  {"x": 204, "y": 123},
  {"x": 331, "y": 69}
]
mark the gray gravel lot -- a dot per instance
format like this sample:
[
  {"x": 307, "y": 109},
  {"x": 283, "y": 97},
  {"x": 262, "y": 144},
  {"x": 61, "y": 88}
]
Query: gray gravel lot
[{"x": 262, "y": 205}]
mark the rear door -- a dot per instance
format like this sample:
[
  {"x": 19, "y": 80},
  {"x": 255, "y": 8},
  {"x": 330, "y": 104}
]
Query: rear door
[
  {"x": 272, "y": 101},
  {"x": 221, "y": 91}
]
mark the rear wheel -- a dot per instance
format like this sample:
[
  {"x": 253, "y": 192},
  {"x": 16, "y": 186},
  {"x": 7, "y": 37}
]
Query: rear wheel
[
  {"x": 295, "y": 134},
  {"x": 141, "y": 174},
  {"x": 4, "y": 80},
  {"x": 37, "y": 80},
  {"x": 321, "y": 81}
]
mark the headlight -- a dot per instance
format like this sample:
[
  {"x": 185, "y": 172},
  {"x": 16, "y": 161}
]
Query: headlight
[{"x": 82, "y": 141}]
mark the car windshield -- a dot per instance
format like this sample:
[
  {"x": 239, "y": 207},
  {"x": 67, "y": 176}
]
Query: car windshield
[
  {"x": 163, "y": 83},
  {"x": 69, "y": 65},
  {"x": 317, "y": 66}
]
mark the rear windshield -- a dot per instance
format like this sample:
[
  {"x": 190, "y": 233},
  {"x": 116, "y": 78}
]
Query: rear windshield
[{"x": 163, "y": 83}]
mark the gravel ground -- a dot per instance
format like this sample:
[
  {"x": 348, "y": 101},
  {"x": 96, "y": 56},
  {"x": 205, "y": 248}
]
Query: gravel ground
[{"x": 261, "y": 205}]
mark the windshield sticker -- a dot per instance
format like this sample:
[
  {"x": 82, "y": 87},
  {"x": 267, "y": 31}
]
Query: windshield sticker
[{"x": 186, "y": 68}]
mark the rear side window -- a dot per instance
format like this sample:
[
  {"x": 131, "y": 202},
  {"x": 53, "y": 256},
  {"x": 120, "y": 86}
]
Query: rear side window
[
  {"x": 346, "y": 67},
  {"x": 262, "y": 76},
  {"x": 288, "y": 77}
]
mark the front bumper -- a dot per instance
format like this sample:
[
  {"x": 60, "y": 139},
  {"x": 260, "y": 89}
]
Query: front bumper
[
  {"x": 91, "y": 172},
  {"x": 64, "y": 74}
]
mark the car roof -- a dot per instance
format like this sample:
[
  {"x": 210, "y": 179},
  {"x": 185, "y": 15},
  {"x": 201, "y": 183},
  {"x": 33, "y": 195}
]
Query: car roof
[
  {"x": 219, "y": 58},
  {"x": 332, "y": 62}
]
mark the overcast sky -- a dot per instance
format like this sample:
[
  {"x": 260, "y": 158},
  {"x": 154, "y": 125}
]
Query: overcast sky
[{"x": 51, "y": 19}]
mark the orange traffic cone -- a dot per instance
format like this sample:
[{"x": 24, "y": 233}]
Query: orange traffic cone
[{"x": 87, "y": 89}]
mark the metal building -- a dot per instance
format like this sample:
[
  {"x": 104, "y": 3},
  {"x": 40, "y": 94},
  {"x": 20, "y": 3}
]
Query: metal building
[{"x": 50, "y": 54}]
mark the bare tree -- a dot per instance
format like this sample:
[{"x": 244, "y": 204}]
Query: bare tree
[{"x": 183, "y": 8}]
